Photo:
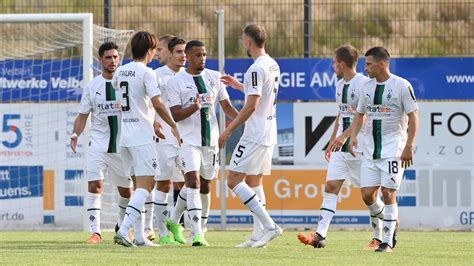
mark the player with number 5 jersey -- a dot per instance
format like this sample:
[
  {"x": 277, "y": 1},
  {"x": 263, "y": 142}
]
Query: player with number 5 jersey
[{"x": 253, "y": 154}]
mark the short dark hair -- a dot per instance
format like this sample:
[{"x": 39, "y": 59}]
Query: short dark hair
[
  {"x": 379, "y": 53},
  {"x": 257, "y": 33},
  {"x": 175, "y": 41},
  {"x": 107, "y": 46},
  {"x": 347, "y": 54},
  {"x": 167, "y": 37},
  {"x": 193, "y": 43},
  {"x": 142, "y": 41}
]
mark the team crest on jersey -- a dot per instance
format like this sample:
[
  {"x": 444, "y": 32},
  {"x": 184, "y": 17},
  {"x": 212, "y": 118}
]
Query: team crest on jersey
[
  {"x": 389, "y": 95},
  {"x": 212, "y": 84},
  {"x": 352, "y": 95},
  {"x": 154, "y": 164}
]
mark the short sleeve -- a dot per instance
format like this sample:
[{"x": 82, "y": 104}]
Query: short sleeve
[
  {"x": 151, "y": 84},
  {"x": 254, "y": 81},
  {"x": 222, "y": 91},
  {"x": 362, "y": 101},
  {"x": 173, "y": 93},
  {"x": 408, "y": 98},
  {"x": 86, "y": 101}
]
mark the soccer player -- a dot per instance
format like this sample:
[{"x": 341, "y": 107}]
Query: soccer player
[
  {"x": 101, "y": 100},
  {"x": 140, "y": 95},
  {"x": 252, "y": 156},
  {"x": 194, "y": 94},
  {"x": 342, "y": 165},
  {"x": 168, "y": 148},
  {"x": 392, "y": 122}
]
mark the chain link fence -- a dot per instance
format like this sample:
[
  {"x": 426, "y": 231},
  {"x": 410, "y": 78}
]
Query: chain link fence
[{"x": 297, "y": 28}]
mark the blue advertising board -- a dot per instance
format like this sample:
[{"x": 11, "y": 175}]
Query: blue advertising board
[
  {"x": 308, "y": 79},
  {"x": 21, "y": 182}
]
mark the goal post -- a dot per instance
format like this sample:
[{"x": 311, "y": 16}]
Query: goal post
[{"x": 45, "y": 62}]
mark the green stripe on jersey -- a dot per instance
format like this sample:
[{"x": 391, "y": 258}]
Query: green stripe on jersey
[
  {"x": 346, "y": 123},
  {"x": 377, "y": 135},
  {"x": 113, "y": 119},
  {"x": 205, "y": 114},
  {"x": 378, "y": 94},
  {"x": 344, "y": 93}
]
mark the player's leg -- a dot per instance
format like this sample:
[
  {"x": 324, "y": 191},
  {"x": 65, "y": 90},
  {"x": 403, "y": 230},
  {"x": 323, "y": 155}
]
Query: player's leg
[
  {"x": 205, "y": 194},
  {"x": 255, "y": 182},
  {"x": 149, "y": 214},
  {"x": 252, "y": 159},
  {"x": 392, "y": 174},
  {"x": 370, "y": 184},
  {"x": 145, "y": 167},
  {"x": 95, "y": 177},
  {"x": 209, "y": 170}
]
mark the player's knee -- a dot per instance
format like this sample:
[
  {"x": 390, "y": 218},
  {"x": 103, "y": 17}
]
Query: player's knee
[
  {"x": 193, "y": 183},
  {"x": 163, "y": 186},
  {"x": 332, "y": 188},
  {"x": 124, "y": 192},
  {"x": 389, "y": 195},
  {"x": 95, "y": 186},
  {"x": 205, "y": 186}
]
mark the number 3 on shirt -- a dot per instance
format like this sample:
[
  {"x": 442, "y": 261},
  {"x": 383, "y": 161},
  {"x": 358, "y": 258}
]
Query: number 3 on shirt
[{"x": 124, "y": 86}]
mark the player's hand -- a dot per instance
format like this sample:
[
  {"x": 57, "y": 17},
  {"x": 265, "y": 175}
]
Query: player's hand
[
  {"x": 327, "y": 154},
  {"x": 175, "y": 132},
  {"x": 407, "y": 156},
  {"x": 198, "y": 101},
  {"x": 223, "y": 138},
  {"x": 158, "y": 128},
  {"x": 352, "y": 143},
  {"x": 231, "y": 81},
  {"x": 73, "y": 143},
  {"x": 337, "y": 143}
]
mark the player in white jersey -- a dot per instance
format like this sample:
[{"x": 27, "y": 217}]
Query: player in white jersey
[
  {"x": 100, "y": 100},
  {"x": 140, "y": 95},
  {"x": 193, "y": 98},
  {"x": 389, "y": 103},
  {"x": 253, "y": 154},
  {"x": 342, "y": 165},
  {"x": 168, "y": 148}
]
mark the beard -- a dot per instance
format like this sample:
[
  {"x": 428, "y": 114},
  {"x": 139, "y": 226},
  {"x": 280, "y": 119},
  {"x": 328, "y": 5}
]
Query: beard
[{"x": 248, "y": 53}]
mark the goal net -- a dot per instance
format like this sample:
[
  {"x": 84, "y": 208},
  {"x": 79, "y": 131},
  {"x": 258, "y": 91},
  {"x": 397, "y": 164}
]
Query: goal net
[{"x": 45, "y": 61}]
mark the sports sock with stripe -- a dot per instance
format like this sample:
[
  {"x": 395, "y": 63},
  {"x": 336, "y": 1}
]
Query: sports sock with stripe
[
  {"x": 149, "y": 210},
  {"x": 134, "y": 209},
  {"x": 328, "y": 209},
  {"x": 251, "y": 200},
  {"x": 93, "y": 211},
  {"x": 376, "y": 217},
  {"x": 122, "y": 204},
  {"x": 257, "y": 224},
  {"x": 180, "y": 206},
  {"x": 194, "y": 210},
  {"x": 206, "y": 206},
  {"x": 389, "y": 223},
  {"x": 161, "y": 211}
]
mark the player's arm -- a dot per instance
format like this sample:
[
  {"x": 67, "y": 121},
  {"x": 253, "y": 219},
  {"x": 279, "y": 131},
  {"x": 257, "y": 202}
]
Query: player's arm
[
  {"x": 79, "y": 125},
  {"x": 354, "y": 130},
  {"x": 229, "y": 109},
  {"x": 179, "y": 113},
  {"x": 407, "y": 154},
  {"x": 331, "y": 140},
  {"x": 244, "y": 114},
  {"x": 231, "y": 81},
  {"x": 162, "y": 111}
]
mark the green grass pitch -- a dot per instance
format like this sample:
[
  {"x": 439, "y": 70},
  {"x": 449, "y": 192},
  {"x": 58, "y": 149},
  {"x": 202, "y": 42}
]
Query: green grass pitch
[{"x": 343, "y": 248}]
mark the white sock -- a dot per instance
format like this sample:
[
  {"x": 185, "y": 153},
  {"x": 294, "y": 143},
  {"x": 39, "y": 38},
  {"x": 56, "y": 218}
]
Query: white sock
[
  {"x": 206, "y": 206},
  {"x": 389, "y": 223},
  {"x": 194, "y": 210},
  {"x": 93, "y": 203},
  {"x": 122, "y": 203},
  {"x": 251, "y": 200},
  {"x": 328, "y": 209},
  {"x": 257, "y": 224},
  {"x": 161, "y": 211},
  {"x": 149, "y": 209},
  {"x": 139, "y": 228},
  {"x": 376, "y": 217},
  {"x": 180, "y": 206},
  {"x": 134, "y": 210}
]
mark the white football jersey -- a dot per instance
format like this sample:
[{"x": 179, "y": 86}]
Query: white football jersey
[
  {"x": 201, "y": 128},
  {"x": 347, "y": 99},
  {"x": 386, "y": 106},
  {"x": 137, "y": 85},
  {"x": 100, "y": 99},
  {"x": 262, "y": 79},
  {"x": 163, "y": 75}
]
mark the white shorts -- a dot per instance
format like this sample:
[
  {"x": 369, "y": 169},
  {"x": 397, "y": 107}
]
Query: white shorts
[
  {"x": 386, "y": 173},
  {"x": 140, "y": 160},
  {"x": 203, "y": 159},
  {"x": 251, "y": 158},
  {"x": 343, "y": 166},
  {"x": 168, "y": 158},
  {"x": 98, "y": 162}
]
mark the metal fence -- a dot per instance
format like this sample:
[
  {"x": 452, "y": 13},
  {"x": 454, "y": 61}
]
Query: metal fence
[{"x": 297, "y": 28}]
